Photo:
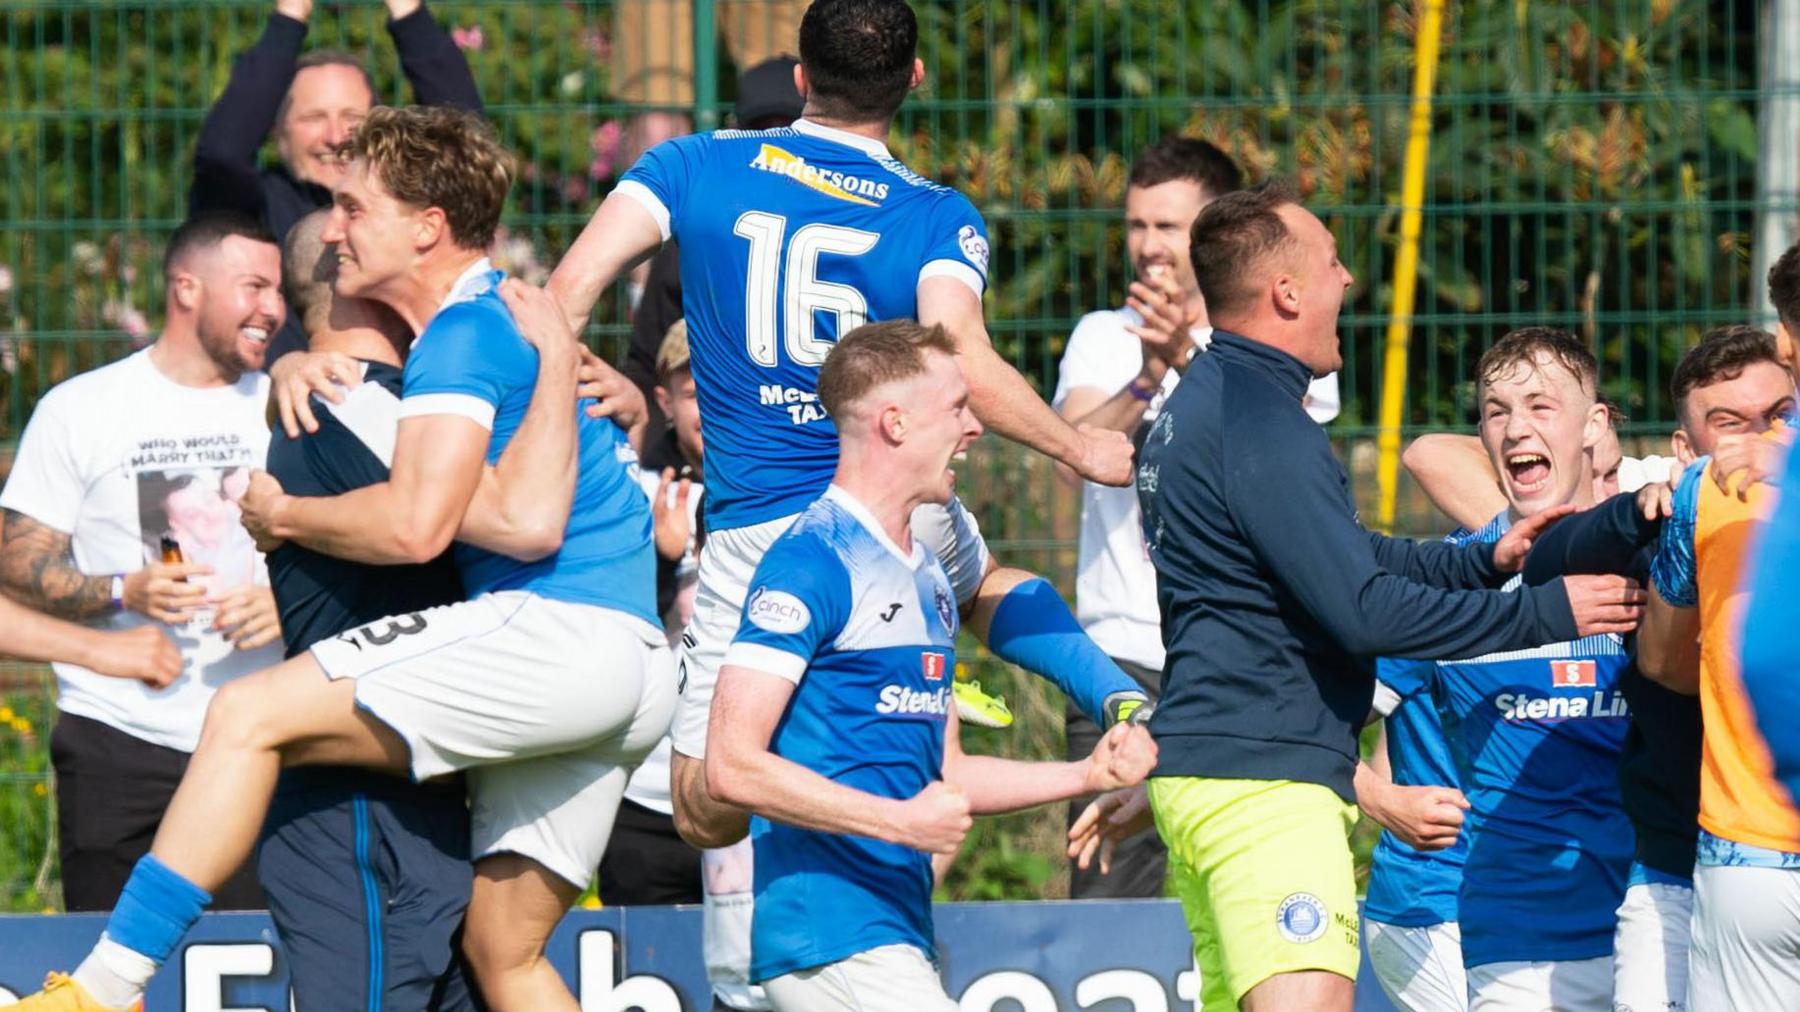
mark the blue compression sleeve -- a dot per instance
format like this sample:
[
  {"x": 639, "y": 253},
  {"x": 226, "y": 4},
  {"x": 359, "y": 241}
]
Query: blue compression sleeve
[
  {"x": 156, "y": 909},
  {"x": 1034, "y": 629}
]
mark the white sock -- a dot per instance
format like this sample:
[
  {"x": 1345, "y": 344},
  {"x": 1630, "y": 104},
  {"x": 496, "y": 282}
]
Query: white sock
[{"x": 115, "y": 975}]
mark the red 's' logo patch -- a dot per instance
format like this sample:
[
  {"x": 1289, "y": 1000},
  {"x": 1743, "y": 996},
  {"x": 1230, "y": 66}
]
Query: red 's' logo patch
[
  {"x": 1572, "y": 674},
  {"x": 934, "y": 666}
]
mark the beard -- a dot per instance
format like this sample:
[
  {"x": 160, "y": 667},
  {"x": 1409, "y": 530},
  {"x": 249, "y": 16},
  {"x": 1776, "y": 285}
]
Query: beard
[{"x": 221, "y": 346}]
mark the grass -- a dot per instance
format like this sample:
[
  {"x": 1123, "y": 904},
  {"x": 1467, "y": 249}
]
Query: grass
[{"x": 29, "y": 876}]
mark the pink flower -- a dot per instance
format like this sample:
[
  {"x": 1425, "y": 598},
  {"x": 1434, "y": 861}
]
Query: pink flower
[
  {"x": 598, "y": 44},
  {"x": 605, "y": 145},
  {"x": 468, "y": 38}
]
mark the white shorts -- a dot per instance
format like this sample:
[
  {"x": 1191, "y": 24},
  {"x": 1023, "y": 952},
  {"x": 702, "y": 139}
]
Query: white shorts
[
  {"x": 889, "y": 978},
  {"x": 1650, "y": 947},
  {"x": 1564, "y": 985},
  {"x": 548, "y": 705},
  {"x": 727, "y": 565},
  {"x": 1421, "y": 969},
  {"x": 1746, "y": 951}
]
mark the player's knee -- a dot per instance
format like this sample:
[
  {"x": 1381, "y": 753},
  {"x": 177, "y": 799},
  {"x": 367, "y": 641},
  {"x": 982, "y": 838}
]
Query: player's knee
[{"x": 236, "y": 719}]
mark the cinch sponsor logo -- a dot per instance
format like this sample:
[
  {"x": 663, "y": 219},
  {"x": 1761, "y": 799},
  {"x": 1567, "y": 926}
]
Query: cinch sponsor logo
[
  {"x": 777, "y": 611},
  {"x": 934, "y": 666},
  {"x": 1573, "y": 674},
  {"x": 904, "y": 702},
  {"x": 1526, "y": 706},
  {"x": 831, "y": 183}
]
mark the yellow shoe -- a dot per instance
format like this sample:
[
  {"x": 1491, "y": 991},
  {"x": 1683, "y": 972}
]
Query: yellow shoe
[
  {"x": 62, "y": 994},
  {"x": 974, "y": 706}
]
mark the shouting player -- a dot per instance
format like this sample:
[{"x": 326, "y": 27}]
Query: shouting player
[
  {"x": 1272, "y": 594},
  {"x": 1534, "y": 736},
  {"x": 549, "y": 684},
  {"x": 833, "y": 721},
  {"x": 790, "y": 237}
]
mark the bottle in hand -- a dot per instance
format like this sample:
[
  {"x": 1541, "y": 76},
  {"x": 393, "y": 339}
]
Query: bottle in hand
[{"x": 171, "y": 548}]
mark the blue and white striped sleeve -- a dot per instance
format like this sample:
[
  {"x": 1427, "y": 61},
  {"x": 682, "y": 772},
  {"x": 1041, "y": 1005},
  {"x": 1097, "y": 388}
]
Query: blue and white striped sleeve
[
  {"x": 663, "y": 177},
  {"x": 957, "y": 246},
  {"x": 464, "y": 363},
  {"x": 798, "y": 603}
]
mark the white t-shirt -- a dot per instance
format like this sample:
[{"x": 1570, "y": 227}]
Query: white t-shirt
[
  {"x": 649, "y": 783},
  {"x": 117, "y": 456},
  {"x": 1636, "y": 472},
  {"x": 1115, "y": 584}
]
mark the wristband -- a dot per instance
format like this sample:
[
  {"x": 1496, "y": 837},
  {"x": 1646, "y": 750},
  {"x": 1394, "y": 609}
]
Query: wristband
[
  {"x": 1144, "y": 396},
  {"x": 118, "y": 592}
]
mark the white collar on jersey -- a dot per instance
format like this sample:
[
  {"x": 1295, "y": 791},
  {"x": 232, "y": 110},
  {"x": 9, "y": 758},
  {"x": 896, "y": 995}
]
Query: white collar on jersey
[
  {"x": 470, "y": 283},
  {"x": 867, "y": 145},
  {"x": 855, "y": 508}
]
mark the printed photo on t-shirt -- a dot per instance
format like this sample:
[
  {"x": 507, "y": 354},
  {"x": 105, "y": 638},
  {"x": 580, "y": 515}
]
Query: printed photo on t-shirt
[{"x": 193, "y": 513}]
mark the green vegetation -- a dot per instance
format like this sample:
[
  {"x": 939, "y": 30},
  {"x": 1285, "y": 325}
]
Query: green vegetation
[{"x": 1592, "y": 165}]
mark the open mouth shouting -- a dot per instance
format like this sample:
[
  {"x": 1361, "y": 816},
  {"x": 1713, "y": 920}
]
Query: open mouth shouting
[{"x": 1528, "y": 472}]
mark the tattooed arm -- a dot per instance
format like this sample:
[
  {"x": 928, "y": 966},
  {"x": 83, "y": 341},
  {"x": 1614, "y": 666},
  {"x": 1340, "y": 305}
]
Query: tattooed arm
[{"x": 37, "y": 569}]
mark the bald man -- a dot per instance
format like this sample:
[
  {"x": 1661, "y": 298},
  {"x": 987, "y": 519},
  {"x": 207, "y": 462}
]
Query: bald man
[
  {"x": 1271, "y": 594},
  {"x": 343, "y": 847}
]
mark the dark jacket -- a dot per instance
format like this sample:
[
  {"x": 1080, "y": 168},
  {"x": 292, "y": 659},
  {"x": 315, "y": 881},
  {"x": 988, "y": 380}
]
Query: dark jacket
[
  {"x": 1659, "y": 769},
  {"x": 227, "y": 170},
  {"x": 1274, "y": 599},
  {"x": 656, "y": 312}
]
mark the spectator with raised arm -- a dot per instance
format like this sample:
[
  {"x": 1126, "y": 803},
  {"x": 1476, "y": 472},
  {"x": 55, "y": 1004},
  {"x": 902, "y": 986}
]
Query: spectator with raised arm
[{"x": 311, "y": 103}]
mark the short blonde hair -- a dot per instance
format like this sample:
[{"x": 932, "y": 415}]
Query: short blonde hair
[
  {"x": 438, "y": 156},
  {"x": 672, "y": 354},
  {"x": 874, "y": 354}
]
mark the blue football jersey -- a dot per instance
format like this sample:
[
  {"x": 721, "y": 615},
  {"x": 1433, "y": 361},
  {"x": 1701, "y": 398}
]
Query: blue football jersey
[
  {"x": 1408, "y": 887},
  {"x": 471, "y": 361},
  {"x": 868, "y": 634},
  {"x": 1773, "y": 611},
  {"x": 1536, "y": 735},
  {"x": 790, "y": 238}
]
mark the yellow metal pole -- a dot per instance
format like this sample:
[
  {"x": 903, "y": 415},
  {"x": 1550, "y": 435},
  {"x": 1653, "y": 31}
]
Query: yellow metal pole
[{"x": 1406, "y": 265}]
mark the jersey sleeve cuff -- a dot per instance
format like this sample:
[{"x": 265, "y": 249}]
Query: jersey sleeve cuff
[
  {"x": 767, "y": 659},
  {"x": 466, "y": 405},
  {"x": 955, "y": 269},
  {"x": 649, "y": 200},
  {"x": 1386, "y": 700}
]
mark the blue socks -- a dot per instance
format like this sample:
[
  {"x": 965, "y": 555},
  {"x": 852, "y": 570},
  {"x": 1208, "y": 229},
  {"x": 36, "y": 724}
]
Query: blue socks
[
  {"x": 1034, "y": 629},
  {"x": 156, "y": 909}
]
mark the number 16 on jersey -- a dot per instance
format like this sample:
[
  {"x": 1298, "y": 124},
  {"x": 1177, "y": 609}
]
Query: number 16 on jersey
[{"x": 799, "y": 289}]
